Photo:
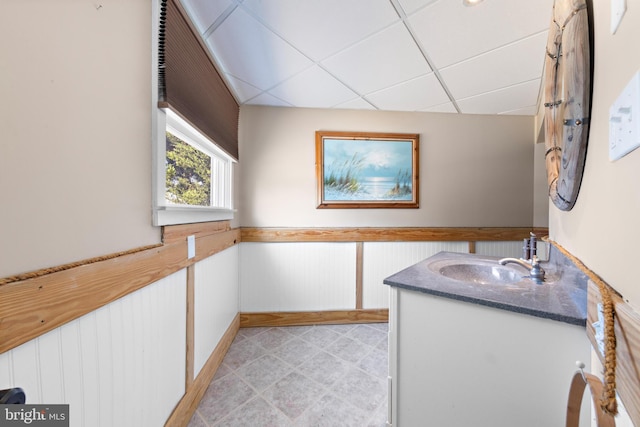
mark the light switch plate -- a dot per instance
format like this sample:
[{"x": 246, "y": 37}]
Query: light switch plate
[
  {"x": 618, "y": 8},
  {"x": 624, "y": 121},
  {"x": 191, "y": 246}
]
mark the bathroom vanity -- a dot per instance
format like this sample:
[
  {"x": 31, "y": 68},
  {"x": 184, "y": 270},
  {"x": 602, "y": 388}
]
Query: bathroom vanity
[{"x": 474, "y": 343}]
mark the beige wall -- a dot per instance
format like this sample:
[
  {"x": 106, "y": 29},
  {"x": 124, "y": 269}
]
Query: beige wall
[
  {"x": 602, "y": 229},
  {"x": 540, "y": 189},
  {"x": 75, "y": 161},
  {"x": 75, "y": 156},
  {"x": 474, "y": 170}
]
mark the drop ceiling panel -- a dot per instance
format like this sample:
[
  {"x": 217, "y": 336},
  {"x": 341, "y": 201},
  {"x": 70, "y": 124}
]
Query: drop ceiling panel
[
  {"x": 377, "y": 54},
  {"x": 321, "y": 28},
  {"x": 452, "y": 32},
  {"x": 413, "y": 95},
  {"x": 515, "y": 63},
  {"x": 503, "y": 100},
  {"x": 385, "y": 59},
  {"x": 266, "y": 99},
  {"x": 204, "y": 13},
  {"x": 356, "y": 104},
  {"x": 313, "y": 84},
  {"x": 247, "y": 50},
  {"x": 244, "y": 91},
  {"x": 410, "y": 6},
  {"x": 524, "y": 111},
  {"x": 442, "y": 108}
]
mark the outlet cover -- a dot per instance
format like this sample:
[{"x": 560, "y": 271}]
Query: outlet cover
[
  {"x": 191, "y": 246},
  {"x": 618, "y": 8},
  {"x": 624, "y": 121}
]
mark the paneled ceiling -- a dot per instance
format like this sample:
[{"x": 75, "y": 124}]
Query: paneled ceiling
[{"x": 392, "y": 55}]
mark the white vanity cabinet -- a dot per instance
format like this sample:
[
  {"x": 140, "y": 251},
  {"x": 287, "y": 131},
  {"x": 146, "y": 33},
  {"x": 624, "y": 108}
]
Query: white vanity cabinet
[{"x": 461, "y": 364}]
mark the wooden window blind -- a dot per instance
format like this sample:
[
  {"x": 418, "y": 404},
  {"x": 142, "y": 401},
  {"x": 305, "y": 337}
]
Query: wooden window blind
[{"x": 189, "y": 83}]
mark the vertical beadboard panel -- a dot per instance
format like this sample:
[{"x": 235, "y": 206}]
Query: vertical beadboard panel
[
  {"x": 500, "y": 249},
  {"x": 51, "y": 373},
  {"x": 25, "y": 368},
  {"x": 131, "y": 368},
  {"x": 120, "y": 365},
  {"x": 165, "y": 351},
  {"x": 105, "y": 358},
  {"x": 297, "y": 276},
  {"x": 216, "y": 302},
  {"x": 89, "y": 365},
  {"x": 72, "y": 372},
  {"x": 382, "y": 259},
  {"x": 6, "y": 371}
]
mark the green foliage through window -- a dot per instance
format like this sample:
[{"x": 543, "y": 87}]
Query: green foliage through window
[{"x": 188, "y": 174}]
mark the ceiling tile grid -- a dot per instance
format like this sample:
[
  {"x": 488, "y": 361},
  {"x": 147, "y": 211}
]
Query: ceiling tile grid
[
  {"x": 413, "y": 95},
  {"x": 320, "y": 29},
  {"x": 395, "y": 55},
  {"x": 380, "y": 61},
  {"x": 499, "y": 68}
]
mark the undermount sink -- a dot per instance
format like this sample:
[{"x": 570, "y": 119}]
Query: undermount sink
[
  {"x": 481, "y": 273},
  {"x": 476, "y": 269}
]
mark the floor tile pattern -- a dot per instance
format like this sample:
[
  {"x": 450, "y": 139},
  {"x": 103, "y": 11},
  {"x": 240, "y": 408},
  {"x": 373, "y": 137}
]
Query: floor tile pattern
[{"x": 300, "y": 376}]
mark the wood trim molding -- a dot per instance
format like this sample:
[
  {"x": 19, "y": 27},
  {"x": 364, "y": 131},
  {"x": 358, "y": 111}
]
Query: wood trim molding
[
  {"x": 627, "y": 333},
  {"x": 176, "y": 233},
  {"x": 301, "y": 318},
  {"x": 359, "y": 274},
  {"x": 184, "y": 410},
  {"x": 190, "y": 356},
  {"x": 212, "y": 244},
  {"x": 32, "y": 307},
  {"x": 388, "y": 234},
  {"x": 36, "y": 305}
]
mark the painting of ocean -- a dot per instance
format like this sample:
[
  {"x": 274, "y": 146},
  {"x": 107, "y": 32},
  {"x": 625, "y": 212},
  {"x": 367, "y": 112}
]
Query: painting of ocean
[{"x": 366, "y": 170}]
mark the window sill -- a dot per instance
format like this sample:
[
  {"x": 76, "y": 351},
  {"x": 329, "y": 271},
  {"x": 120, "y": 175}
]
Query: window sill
[{"x": 169, "y": 215}]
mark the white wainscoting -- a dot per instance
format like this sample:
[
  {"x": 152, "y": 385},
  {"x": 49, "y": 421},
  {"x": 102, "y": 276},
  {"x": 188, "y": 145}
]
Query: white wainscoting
[
  {"x": 303, "y": 276},
  {"x": 216, "y": 302},
  {"x": 297, "y": 276},
  {"x": 121, "y": 365},
  {"x": 509, "y": 249},
  {"x": 382, "y": 259},
  {"x": 500, "y": 249}
]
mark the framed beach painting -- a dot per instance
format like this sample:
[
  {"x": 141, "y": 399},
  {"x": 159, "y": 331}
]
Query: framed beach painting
[{"x": 366, "y": 170}]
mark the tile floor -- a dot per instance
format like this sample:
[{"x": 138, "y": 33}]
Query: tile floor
[{"x": 299, "y": 376}]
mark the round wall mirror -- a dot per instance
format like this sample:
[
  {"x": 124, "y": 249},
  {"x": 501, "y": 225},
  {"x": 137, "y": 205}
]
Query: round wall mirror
[{"x": 567, "y": 99}]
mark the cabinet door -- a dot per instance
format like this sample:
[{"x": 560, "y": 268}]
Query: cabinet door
[{"x": 463, "y": 364}]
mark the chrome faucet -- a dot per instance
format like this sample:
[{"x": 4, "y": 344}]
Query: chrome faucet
[
  {"x": 533, "y": 245},
  {"x": 530, "y": 247},
  {"x": 536, "y": 272}
]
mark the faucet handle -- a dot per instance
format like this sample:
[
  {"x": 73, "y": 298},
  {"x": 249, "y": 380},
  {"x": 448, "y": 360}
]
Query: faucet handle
[
  {"x": 533, "y": 244},
  {"x": 537, "y": 272}
]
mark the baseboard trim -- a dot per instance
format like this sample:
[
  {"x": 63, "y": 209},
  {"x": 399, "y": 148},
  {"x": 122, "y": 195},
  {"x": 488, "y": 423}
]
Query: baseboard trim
[
  {"x": 301, "y": 318},
  {"x": 185, "y": 409}
]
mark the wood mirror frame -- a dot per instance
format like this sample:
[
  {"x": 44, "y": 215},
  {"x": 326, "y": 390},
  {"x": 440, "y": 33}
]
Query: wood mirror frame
[{"x": 567, "y": 99}]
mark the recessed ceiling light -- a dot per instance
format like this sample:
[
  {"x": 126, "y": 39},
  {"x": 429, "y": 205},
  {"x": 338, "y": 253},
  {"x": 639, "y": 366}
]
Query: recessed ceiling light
[{"x": 471, "y": 2}]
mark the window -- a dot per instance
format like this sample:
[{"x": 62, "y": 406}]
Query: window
[
  {"x": 193, "y": 159},
  {"x": 193, "y": 177}
]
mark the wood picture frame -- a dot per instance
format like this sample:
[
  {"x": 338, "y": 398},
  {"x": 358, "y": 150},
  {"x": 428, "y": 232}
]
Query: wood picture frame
[{"x": 367, "y": 170}]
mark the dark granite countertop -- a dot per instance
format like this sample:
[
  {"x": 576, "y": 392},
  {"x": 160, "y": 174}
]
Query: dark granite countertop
[{"x": 563, "y": 296}]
